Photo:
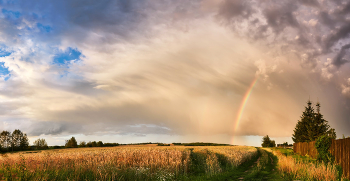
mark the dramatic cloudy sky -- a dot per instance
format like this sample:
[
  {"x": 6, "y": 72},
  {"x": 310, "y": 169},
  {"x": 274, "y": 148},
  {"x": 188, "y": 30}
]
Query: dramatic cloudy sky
[{"x": 172, "y": 71}]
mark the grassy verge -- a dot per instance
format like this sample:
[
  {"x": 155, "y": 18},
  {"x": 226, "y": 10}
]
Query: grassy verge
[
  {"x": 289, "y": 152},
  {"x": 296, "y": 167}
]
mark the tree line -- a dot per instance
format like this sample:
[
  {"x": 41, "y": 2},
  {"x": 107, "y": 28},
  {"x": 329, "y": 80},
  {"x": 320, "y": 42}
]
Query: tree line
[
  {"x": 18, "y": 141},
  {"x": 15, "y": 141},
  {"x": 72, "y": 143}
]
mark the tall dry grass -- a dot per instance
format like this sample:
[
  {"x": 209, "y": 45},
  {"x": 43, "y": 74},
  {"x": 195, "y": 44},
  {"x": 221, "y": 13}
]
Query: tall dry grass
[
  {"x": 116, "y": 163},
  {"x": 301, "y": 170}
]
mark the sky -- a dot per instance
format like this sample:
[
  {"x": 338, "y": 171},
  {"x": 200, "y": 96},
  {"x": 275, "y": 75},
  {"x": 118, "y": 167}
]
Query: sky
[{"x": 129, "y": 71}]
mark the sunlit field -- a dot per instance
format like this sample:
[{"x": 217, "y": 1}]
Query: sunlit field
[{"x": 122, "y": 163}]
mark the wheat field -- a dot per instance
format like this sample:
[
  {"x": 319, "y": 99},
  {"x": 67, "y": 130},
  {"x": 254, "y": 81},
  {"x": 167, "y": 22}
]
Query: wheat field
[{"x": 121, "y": 163}]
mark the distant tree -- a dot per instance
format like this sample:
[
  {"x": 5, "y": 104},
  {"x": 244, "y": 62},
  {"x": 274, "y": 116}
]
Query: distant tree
[
  {"x": 93, "y": 144},
  {"x": 19, "y": 140},
  {"x": 71, "y": 143},
  {"x": 331, "y": 133},
  {"x": 100, "y": 144},
  {"x": 41, "y": 144},
  {"x": 24, "y": 143},
  {"x": 267, "y": 142},
  {"x": 16, "y": 138},
  {"x": 5, "y": 140},
  {"x": 311, "y": 125},
  {"x": 89, "y": 144},
  {"x": 285, "y": 144},
  {"x": 82, "y": 144}
]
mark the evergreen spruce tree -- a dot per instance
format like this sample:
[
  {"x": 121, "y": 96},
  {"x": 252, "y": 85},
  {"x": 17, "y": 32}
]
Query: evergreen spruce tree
[
  {"x": 318, "y": 126},
  {"x": 312, "y": 125},
  {"x": 301, "y": 133}
]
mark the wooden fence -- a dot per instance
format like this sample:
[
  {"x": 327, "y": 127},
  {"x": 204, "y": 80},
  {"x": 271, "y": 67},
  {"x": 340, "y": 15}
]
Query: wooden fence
[{"x": 340, "y": 149}]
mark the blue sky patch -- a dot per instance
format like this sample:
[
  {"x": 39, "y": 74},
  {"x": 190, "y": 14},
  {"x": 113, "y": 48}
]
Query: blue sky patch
[
  {"x": 7, "y": 77},
  {"x": 11, "y": 14},
  {"x": 44, "y": 28},
  {"x": 4, "y": 53},
  {"x": 4, "y": 71},
  {"x": 67, "y": 56}
]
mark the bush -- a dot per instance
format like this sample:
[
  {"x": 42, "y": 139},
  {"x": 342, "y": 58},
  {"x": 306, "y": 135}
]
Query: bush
[
  {"x": 267, "y": 142},
  {"x": 323, "y": 143}
]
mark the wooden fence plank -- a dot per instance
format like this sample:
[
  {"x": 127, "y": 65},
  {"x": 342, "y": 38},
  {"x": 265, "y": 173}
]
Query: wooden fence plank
[
  {"x": 347, "y": 146},
  {"x": 344, "y": 155}
]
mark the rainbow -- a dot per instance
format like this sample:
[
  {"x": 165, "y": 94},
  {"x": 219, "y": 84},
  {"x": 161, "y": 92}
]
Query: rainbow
[{"x": 244, "y": 103}]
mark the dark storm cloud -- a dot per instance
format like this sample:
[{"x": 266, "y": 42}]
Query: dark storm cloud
[
  {"x": 339, "y": 34},
  {"x": 344, "y": 9},
  {"x": 339, "y": 59},
  {"x": 280, "y": 15},
  {"x": 91, "y": 128},
  {"x": 230, "y": 9},
  {"x": 314, "y": 29},
  {"x": 309, "y": 2},
  {"x": 52, "y": 128}
]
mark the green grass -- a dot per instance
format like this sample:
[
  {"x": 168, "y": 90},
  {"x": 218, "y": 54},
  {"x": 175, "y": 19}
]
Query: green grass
[
  {"x": 261, "y": 167},
  {"x": 289, "y": 152}
]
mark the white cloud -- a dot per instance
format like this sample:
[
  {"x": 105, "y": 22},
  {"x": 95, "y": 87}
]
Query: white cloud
[
  {"x": 313, "y": 22},
  {"x": 328, "y": 69}
]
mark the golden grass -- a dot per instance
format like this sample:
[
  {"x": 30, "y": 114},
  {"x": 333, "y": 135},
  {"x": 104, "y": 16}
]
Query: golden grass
[
  {"x": 104, "y": 163},
  {"x": 300, "y": 170},
  {"x": 236, "y": 155},
  {"x": 96, "y": 159}
]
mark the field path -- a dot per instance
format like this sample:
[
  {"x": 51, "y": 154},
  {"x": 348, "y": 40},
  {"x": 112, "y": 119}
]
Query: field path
[{"x": 261, "y": 167}]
